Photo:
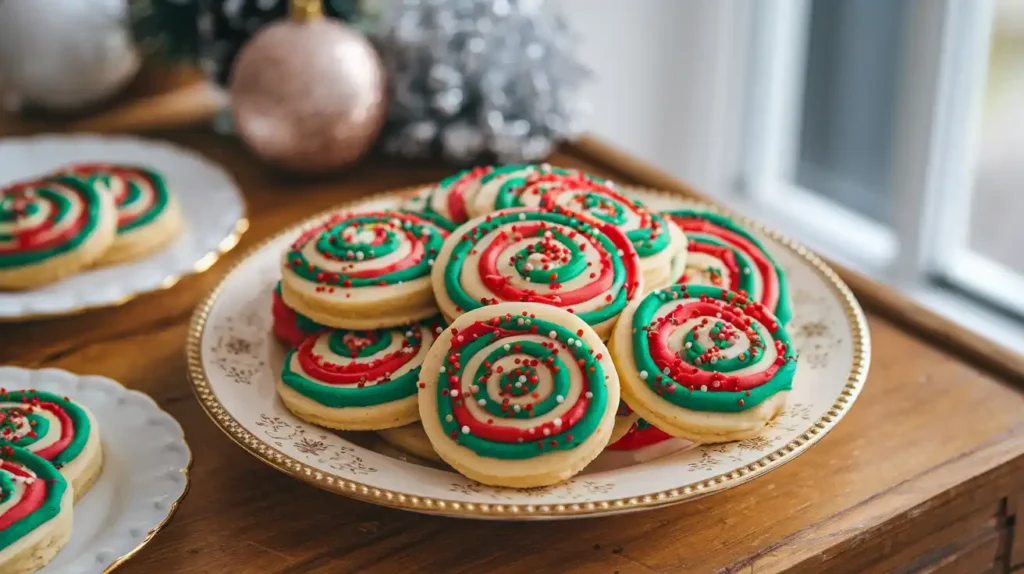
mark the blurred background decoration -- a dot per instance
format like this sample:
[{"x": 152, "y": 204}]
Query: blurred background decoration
[
  {"x": 468, "y": 80},
  {"x": 307, "y": 92},
  {"x": 166, "y": 30},
  {"x": 474, "y": 79},
  {"x": 63, "y": 55}
]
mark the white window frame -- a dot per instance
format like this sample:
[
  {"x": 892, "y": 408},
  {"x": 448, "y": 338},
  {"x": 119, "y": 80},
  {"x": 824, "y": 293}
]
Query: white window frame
[
  {"x": 925, "y": 252},
  {"x": 771, "y": 145}
]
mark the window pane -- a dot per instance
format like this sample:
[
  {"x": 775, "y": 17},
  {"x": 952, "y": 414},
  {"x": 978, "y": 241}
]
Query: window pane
[
  {"x": 996, "y": 228},
  {"x": 849, "y": 97}
]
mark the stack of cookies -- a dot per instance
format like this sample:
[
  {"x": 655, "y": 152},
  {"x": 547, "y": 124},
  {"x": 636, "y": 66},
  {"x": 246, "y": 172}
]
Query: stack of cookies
[
  {"x": 82, "y": 216},
  {"x": 50, "y": 455},
  {"x": 515, "y": 321}
]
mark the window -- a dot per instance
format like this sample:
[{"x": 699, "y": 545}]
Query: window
[
  {"x": 889, "y": 134},
  {"x": 886, "y": 134}
]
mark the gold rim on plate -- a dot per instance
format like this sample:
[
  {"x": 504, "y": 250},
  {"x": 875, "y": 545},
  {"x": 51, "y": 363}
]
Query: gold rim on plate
[
  {"x": 170, "y": 511},
  {"x": 204, "y": 263},
  {"x": 354, "y": 489}
]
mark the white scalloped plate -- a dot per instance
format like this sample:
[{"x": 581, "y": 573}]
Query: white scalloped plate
[
  {"x": 145, "y": 469},
  {"x": 212, "y": 205},
  {"x": 234, "y": 361}
]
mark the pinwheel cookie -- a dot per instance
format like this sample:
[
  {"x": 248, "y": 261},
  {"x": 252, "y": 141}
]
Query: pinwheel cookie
[
  {"x": 364, "y": 270},
  {"x": 148, "y": 217},
  {"x": 657, "y": 241},
  {"x": 703, "y": 363},
  {"x": 514, "y": 186},
  {"x": 35, "y": 511},
  {"x": 52, "y": 228},
  {"x": 724, "y": 254},
  {"x": 449, "y": 198},
  {"x": 56, "y": 428},
  {"x": 542, "y": 431},
  {"x": 538, "y": 255},
  {"x": 357, "y": 380}
]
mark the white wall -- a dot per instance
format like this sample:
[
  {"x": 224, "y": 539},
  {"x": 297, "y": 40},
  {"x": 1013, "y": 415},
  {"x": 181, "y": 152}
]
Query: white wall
[{"x": 666, "y": 74}]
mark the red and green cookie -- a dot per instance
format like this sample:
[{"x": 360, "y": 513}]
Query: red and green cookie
[
  {"x": 52, "y": 228},
  {"x": 148, "y": 217}
]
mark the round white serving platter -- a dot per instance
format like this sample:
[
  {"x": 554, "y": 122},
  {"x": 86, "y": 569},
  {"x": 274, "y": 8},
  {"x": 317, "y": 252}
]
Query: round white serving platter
[
  {"x": 211, "y": 204},
  {"x": 234, "y": 361}
]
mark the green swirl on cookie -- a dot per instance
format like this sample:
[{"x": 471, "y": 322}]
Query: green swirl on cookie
[
  {"x": 360, "y": 368},
  {"x": 707, "y": 349},
  {"x": 481, "y": 408},
  {"x": 25, "y": 421},
  {"x": 348, "y": 248},
  {"x": 41, "y": 489},
  {"x": 43, "y": 219},
  {"x": 567, "y": 263}
]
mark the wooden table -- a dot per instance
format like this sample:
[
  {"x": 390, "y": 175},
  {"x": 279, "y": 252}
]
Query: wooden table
[{"x": 926, "y": 473}]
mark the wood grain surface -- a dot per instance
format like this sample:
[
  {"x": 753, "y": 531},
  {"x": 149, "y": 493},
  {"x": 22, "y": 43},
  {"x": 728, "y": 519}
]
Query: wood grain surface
[{"x": 926, "y": 473}]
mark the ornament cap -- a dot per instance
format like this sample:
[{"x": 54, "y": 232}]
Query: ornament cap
[{"x": 306, "y": 10}]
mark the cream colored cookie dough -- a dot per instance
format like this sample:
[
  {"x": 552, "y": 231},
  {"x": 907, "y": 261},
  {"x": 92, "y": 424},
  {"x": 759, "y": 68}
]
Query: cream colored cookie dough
[
  {"x": 412, "y": 439},
  {"x": 623, "y": 423},
  {"x": 525, "y": 423},
  {"x": 148, "y": 239},
  {"x": 83, "y": 471}
]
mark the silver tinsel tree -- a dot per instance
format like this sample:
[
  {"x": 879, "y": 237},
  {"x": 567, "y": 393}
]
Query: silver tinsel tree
[{"x": 480, "y": 79}]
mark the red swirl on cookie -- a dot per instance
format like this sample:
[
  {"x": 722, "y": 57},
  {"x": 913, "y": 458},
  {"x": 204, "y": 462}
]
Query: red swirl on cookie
[
  {"x": 45, "y": 217},
  {"x": 642, "y": 434},
  {"x": 140, "y": 194},
  {"x": 353, "y": 250}
]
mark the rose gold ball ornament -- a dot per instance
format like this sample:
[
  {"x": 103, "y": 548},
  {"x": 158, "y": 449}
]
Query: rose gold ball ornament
[{"x": 308, "y": 94}]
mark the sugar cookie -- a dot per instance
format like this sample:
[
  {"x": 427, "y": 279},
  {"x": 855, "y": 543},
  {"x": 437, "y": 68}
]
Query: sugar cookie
[
  {"x": 450, "y": 197},
  {"x": 364, "y": 270},
  {"x": 724, "y": 254},
  {"x": 412, "y": 439},
  {"x": 541, "y": 256},
  {"x": 148, "y": 217},
  {"x": 52, "y": 228},
  {"x": 518, "y": 394},
  {"x": 289, "y": 327},
  {"x": 35, "y": 511},
  {"x": 357, "y": 380},
  {"x": 512, "y": 186},
  {"x": 56, "y": 428},
  {"x": 657, "y": 241},
  {"x": 702, "y": 363}
]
